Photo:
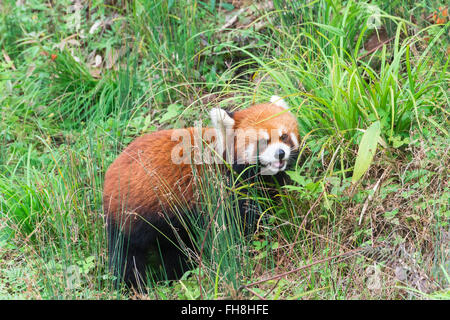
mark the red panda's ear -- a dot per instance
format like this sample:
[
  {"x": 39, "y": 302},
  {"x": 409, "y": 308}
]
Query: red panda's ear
[
  {"x": 279, "y": 102},
  {"x": 221, "y": 119},
  {"x": 223, "y": 123},
  {"x": 230, "y": 114}
]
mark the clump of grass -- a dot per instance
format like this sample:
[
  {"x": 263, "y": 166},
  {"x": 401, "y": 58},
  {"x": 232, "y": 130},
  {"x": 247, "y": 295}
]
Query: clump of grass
[
  {"x": 57, "y": 216},
  {"x": 74, "y": 96}
]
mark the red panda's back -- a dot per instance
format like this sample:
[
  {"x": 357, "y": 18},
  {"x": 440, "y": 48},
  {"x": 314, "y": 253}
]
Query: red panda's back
[{"x": 144, "y": 180}]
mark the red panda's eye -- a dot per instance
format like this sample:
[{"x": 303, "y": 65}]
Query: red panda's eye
[{"x": 284, "y": 137}]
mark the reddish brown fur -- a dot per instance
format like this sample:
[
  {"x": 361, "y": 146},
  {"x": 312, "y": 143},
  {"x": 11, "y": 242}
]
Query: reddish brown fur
[
  {"x": 143, "y": 180},
  {"x": 265, "y": 116}
]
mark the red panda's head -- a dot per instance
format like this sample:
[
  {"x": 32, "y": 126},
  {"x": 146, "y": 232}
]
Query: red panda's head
[{"x": 264, "y": 133}]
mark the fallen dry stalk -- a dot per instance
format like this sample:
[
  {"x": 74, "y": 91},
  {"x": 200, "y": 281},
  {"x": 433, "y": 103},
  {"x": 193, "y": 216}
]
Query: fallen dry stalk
[
  {"x": 342, "y": 255},
  {"x": 370, "y": 197}
]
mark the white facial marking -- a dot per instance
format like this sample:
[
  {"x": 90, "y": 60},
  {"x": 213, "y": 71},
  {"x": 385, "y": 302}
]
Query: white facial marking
[
  {"x": 271, "y": 164},
  {"x": 280, "y": 132},
  {"x": 263, "y": 135},
  {"x": 294, "y": 140},
  {"x": 249, "y": 153}
]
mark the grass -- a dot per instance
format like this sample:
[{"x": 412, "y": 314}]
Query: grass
[{"x": 77, "y": 85}]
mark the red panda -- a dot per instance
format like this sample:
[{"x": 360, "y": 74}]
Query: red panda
[{"x": 153, "y": 177}]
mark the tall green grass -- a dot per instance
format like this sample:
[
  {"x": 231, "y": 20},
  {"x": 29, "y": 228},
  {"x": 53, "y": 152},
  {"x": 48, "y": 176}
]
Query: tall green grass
[
  {"x": 335, "y": 88},
  {"x": 58, "y": 216}
]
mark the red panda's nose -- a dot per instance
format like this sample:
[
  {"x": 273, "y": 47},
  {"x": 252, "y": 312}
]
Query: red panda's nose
[{"x": 280, "y": 154}]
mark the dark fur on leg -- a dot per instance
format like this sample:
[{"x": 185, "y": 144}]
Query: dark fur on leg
[
  {"x": 128, "y": 252},
  {"x": 174, "y": 261},
  {"x": 248, "y": 209}
]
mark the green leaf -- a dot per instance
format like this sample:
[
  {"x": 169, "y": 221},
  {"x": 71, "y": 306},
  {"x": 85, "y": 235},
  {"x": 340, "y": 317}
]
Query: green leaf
[
  {"x": 212, "y": 5},
  {"x": 366, "y": 151},
  {"x": 336, "y": 31},
  {"x": 227, "y": 6},
  {"x": 173, "y": 110},
  {"x": 295, "y": 176}
]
